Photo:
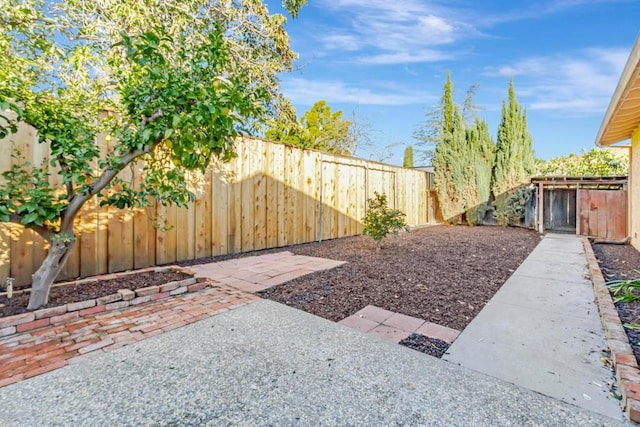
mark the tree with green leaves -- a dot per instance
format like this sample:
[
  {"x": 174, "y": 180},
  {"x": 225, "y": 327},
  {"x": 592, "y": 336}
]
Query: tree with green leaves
[
  {"x": 481, "y": 157},
  {"x": 595, "y": 162},
  {"x": 515, "y": 160},
  {"x": 462, "y": 161},
  {"x": 179, "y": 80},
  {"x": 429, "y": 132},
  {"x": 407, "y": 161},
  {"x": 319, "y": 128}
]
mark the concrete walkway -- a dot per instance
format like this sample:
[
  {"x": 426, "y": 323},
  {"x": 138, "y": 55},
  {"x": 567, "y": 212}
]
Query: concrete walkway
[
  {"x": 542, "y": 331},
  {"x": 268, "y": 364}
]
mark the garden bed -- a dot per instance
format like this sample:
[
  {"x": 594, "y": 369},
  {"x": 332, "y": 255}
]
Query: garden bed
[
  {"x": 622, "y": 262},
  {"x": 93, "y": 288},
  {"x": 442, "y": 274}
]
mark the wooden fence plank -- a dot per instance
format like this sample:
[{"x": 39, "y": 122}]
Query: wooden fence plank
[
  {"x": 271, "y": 195},
  {"x": 259, "y": 196}
]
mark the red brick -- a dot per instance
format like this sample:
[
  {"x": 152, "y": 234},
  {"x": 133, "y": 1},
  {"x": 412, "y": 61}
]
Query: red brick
[
  {"x": 149, "y": 290},
  {"x": 625, "y": 359},
  {"x": 161, "y": 295},
  {"x": 108, "y": 299},
  {"x": 12, "y": 365},
  {"x": 45, "y": 368},
  {"x": 126, "y": 294},
  {"x": 50, "y": 312},
  {"x": 633, "y": 410},
  {"x": 178, "y": 291},
  {"x": 11, "y": 380},
  {"x": 75, "y": 306},
  {"x": 167, "y": 287},
  {"x": 64, "y": 317},
  {"x": 202, "y": 280},
  {"x": 630, "y": 390},
  {"x": 140, "y": 300},
  {"x": 32, "y": 325},
  {"x": 627, "y": 373},
  {"x": 197, "y": 287},
  {"x": 117, "y": 305},
  {"x": 95, "y": 346},
  {"x": 9, "y": 330},
  {"x": 92, "y": 310},
  {"x": 17, "y": 319},
  {"x": 81, "y": 344},
  {"x": 49, "y": 355}
]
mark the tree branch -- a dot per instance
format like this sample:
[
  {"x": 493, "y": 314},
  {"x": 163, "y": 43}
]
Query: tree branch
[
  {"x": 107, "y": 176},
  {"x": 44, "y": 231}
]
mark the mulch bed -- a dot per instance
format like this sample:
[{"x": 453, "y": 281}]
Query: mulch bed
[
  {"x": 442, "y": 274},
  {"x": 431, "y": 346},
  {"x": 65, "y": 294},
  {"x": 622, "y": 262}
]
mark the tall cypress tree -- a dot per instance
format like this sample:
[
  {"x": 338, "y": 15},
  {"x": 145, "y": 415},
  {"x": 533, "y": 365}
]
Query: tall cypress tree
[
  {"x": 407, "y": 162},
  {"x": 515, "y": 161},
  {"x": 449, "y": 162},
  {"x": 481, "y": 157}
]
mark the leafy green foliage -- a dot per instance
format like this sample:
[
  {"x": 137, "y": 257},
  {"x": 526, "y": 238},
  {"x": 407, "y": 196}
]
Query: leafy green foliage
[
  {"x": 407, "y": 161},
  {"x": 515, "y": 160},
  {"x": 170, "y": 84},
  {"x": 380, "y": 220},
  {"x": 319, "y": 128},
  {"x": 511, "y": 210},
  {"x": 595, "y": 162},
  {"x": 625, "y": 290},
  {"x": 463, "y": 161}
]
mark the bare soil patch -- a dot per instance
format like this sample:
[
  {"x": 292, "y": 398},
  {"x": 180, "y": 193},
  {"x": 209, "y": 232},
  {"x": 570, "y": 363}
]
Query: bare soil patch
[
  {"x": 442, "y": 274},
  {"x": 65, "y": 294},
  {"x": 622, "y": 262}
]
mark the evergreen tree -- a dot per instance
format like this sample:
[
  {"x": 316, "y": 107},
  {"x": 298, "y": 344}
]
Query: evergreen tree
[
  {"x": 407, "y": 162},
  {"x": 481, "y": 155},
  {"x": 515, "y": 161},
  {"x": 450, "y": 165},
  {"x": 463, "y": 161}
]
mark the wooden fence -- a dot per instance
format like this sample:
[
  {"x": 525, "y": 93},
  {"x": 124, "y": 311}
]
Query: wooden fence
[{"x": 271, "y": 195}]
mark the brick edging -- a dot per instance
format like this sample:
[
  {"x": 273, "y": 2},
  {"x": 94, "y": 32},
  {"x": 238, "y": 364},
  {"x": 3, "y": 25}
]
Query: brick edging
[
  {"x": 624, "y": 361},
  {"x": 123, "y": 298}
]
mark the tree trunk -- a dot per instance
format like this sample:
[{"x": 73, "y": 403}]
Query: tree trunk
[{"x": 43, "y": 278}]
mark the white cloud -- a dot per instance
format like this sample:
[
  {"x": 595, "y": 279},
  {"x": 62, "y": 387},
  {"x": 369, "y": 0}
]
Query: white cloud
[
  {"x": 577, "y": 84},
  {"x": 401, "y": 32},
  {"x": 391, "y": 32},
  {"x": 303, "y": 91}
]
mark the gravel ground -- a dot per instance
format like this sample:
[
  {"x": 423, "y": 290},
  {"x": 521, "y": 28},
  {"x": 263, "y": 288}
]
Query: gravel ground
[{"x": 442, "y": 274}]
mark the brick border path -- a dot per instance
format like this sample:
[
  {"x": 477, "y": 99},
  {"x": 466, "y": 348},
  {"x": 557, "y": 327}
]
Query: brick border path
[
  {"x": 27, "y": 354},
  {"x": 395, "y": 326},
  {"x": 624, "y": 361}
]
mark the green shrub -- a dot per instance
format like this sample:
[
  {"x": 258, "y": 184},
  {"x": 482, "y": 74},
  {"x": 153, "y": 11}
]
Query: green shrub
[
  {"x": 379, "y": 220},
  {"x": 510, "y": 207}
]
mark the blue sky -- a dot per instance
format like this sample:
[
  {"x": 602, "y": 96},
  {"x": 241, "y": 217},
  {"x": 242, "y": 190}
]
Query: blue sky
[{"x": 387, "y": 60}]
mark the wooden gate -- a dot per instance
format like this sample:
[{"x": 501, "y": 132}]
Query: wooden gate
[
  {"x": 560, "y": 212},
  {"x": 602, "y": 213}
]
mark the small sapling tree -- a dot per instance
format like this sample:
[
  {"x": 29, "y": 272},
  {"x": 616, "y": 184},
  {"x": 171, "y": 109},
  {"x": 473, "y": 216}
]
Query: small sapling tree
[{"x": 380, "y": 220}]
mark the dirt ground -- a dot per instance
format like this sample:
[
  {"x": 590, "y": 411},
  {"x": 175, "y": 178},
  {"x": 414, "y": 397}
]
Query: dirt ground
[
  {"x": 443, "y": 274},
  {"x": 622, "y": 262}
]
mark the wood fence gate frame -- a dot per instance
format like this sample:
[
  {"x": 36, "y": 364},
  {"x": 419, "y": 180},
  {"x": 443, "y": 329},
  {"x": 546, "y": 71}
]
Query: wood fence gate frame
[{"x": 617, "y": 183}]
